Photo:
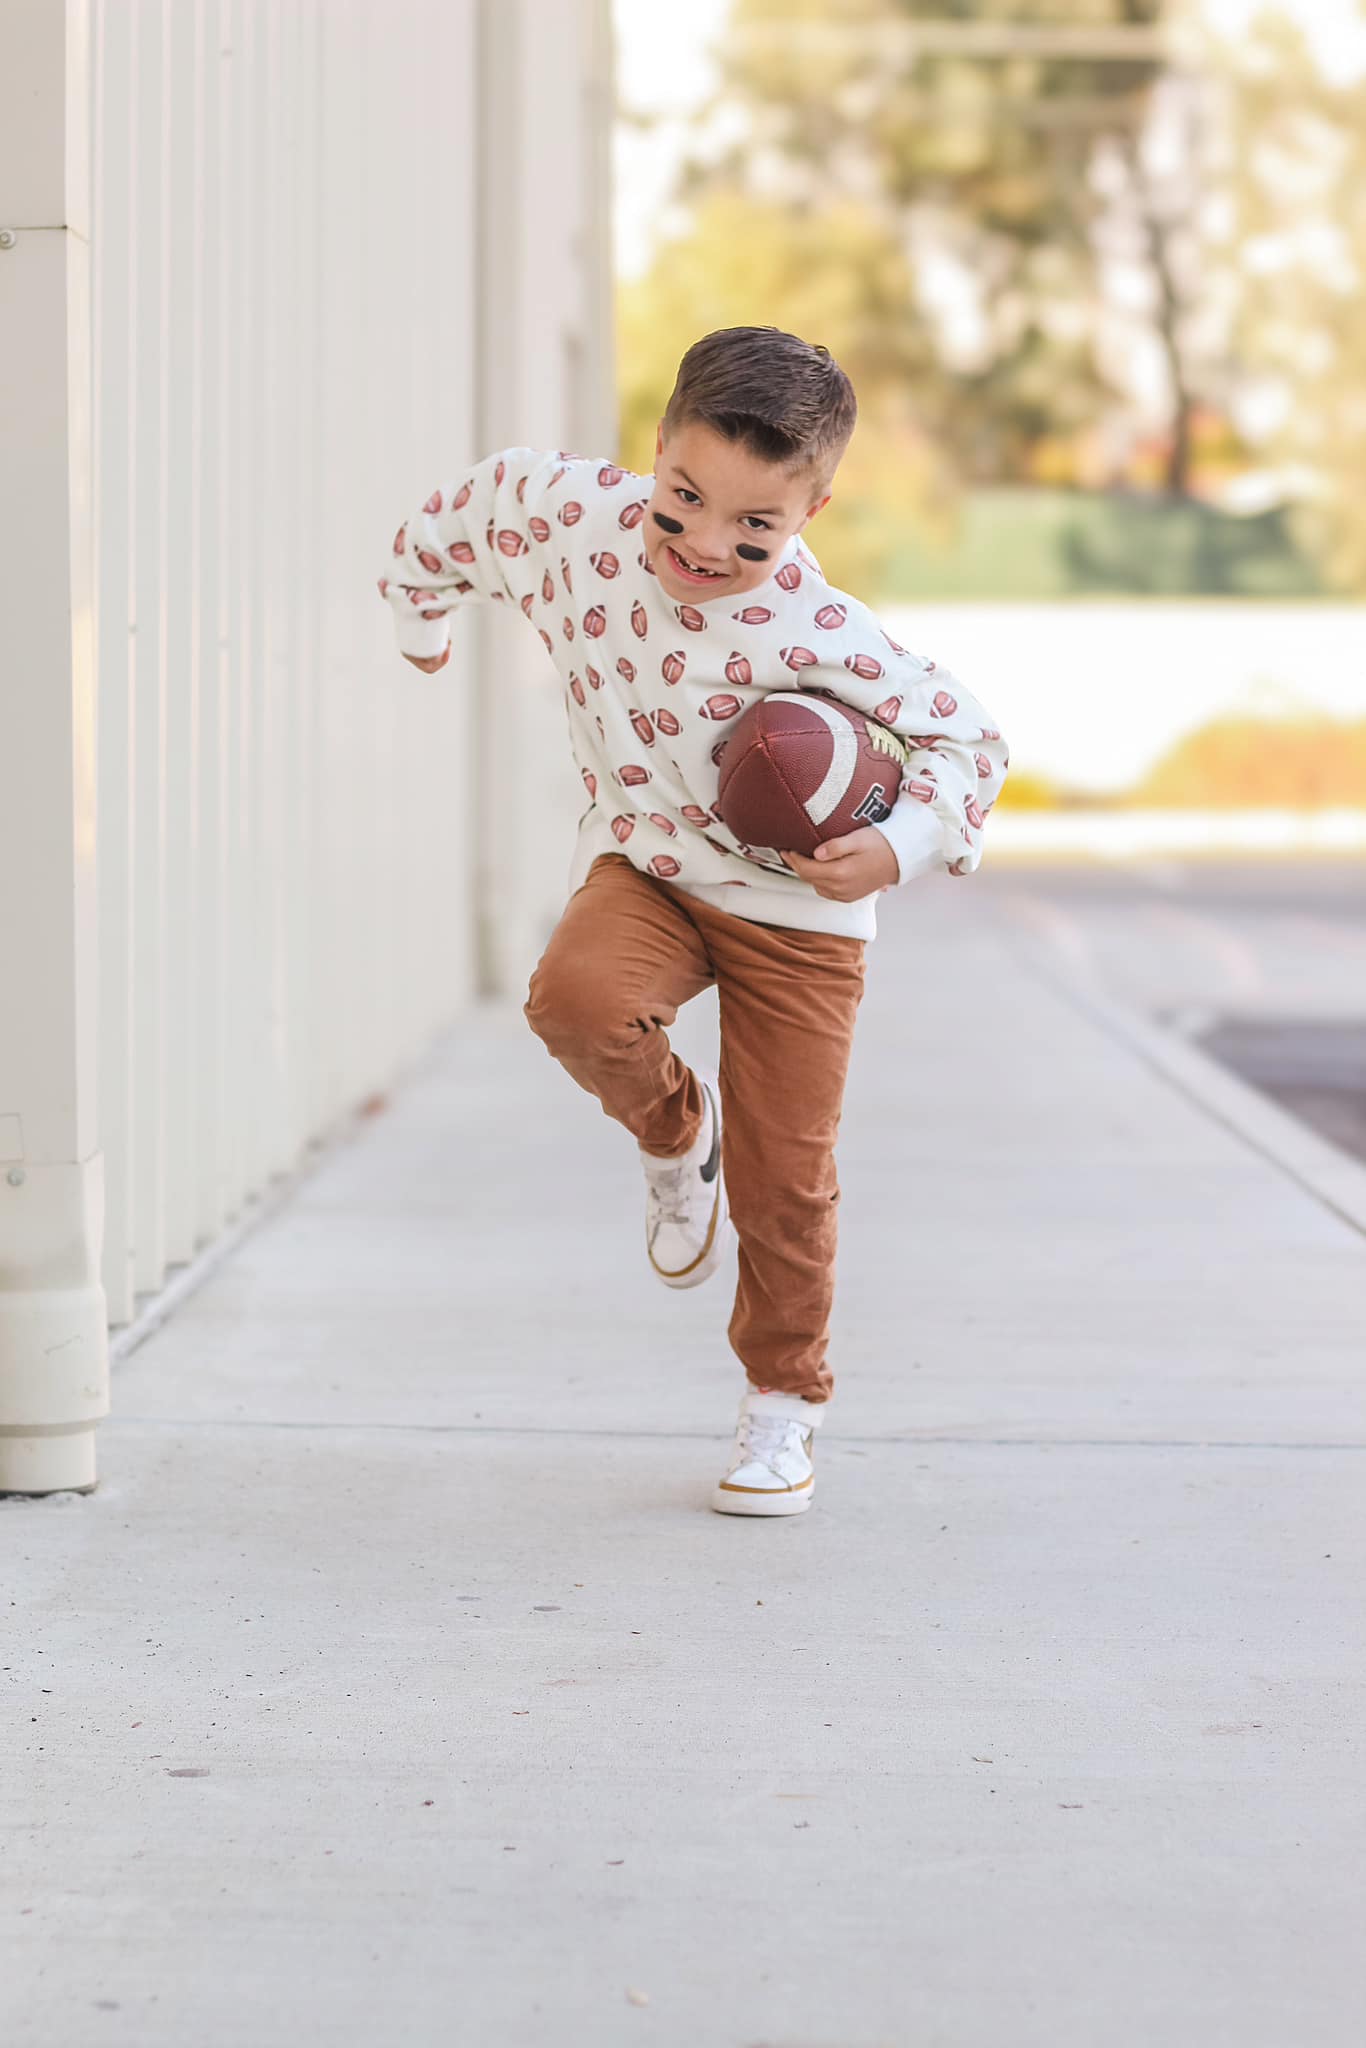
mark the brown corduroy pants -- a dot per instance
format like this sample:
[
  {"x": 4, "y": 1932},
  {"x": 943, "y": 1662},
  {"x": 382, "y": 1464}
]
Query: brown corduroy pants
[{"x": 627, "y": 953}]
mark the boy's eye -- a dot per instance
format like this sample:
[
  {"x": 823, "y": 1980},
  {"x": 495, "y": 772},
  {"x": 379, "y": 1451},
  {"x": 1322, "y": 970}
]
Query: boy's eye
[{"x": 751, "y": 518}]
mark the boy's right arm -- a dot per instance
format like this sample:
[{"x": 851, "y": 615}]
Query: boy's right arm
[{"x": 478, "y": 537}]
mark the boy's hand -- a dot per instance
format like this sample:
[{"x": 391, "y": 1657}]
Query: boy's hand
[
  {"x": 429, "y": 663},
  {"x": 846, "y": 869}
]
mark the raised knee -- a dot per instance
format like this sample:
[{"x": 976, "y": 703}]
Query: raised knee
[{"x": 567, "y": 1008}]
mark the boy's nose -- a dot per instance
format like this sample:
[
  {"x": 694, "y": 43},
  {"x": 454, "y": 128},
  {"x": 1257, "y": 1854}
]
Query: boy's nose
[{"x": 708, "y": 554}]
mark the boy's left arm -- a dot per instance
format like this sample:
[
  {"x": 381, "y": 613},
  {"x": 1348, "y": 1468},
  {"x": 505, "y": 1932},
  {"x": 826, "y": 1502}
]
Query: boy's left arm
[{"x": 955, "y": 768}]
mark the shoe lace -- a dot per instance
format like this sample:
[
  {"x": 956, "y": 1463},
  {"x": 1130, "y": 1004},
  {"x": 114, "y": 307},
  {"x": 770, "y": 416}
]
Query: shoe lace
[
  {"x": 669, "y": 1193},
  {"x": 764, "y": 1437}
]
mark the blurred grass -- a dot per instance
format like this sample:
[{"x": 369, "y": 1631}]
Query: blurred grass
[
  {"x": 1231, "y": 763},
  {"x": 1299, "y": 764},
  {"x": 1039, "y": 544}
]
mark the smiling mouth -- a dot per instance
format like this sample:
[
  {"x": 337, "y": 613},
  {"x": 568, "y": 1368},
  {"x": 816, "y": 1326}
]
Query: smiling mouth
[{"x": 687, "y": 568}]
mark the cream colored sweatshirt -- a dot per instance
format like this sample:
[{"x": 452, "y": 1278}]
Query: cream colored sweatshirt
[{"x": 652, "y": 687}]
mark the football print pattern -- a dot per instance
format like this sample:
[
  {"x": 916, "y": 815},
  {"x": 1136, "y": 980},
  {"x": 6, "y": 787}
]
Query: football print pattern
[{"x": 546, "y": 533}]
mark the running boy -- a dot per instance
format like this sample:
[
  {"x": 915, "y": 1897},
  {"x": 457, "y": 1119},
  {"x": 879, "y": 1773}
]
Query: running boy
[{"x": 668, "y": 610}]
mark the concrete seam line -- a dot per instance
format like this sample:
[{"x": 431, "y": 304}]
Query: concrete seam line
[
  {"x": 930, "y": 1440},
  {"x": 1332, "y": 1177}
]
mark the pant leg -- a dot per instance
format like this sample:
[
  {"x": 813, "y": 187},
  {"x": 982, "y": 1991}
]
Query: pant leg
[
  {"x": 623, "y": 958},
  {"x": 788, "y": 1004}
]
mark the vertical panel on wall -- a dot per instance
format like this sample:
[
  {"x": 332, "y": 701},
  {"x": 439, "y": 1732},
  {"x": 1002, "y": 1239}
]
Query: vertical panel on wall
[
  {"x": 339, "y": 841},
  {"x": 396, "y": 249},
  {"x": 411, "y": 261},
  {"x": 301, "y": 521},
  {"x": 115, "y": 37},
  {"x": 386, "y": 221},
  {"x": 249, "y": 432},
  {"x": 180, "y": 492},
  {"x": 297, "y": 570},
  {"x": 416, "y": 262},
  {"x": 228, "y": 625},
  {"x": 149, "y": 685},
  {"x": 275, "y": 711},
  {"x": 234, "y": 651},
  {"x": 341, "y": 121},
  {"x": 206, "y": 577},
  {"x": 453, "y": 791},
  {"x": 320, "y": 1080}
]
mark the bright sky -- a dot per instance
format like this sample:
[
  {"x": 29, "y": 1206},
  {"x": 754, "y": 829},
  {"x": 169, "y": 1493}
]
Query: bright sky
[
  {"x": 662, "y": 69},
  {"x": 1336, "y": 29}
]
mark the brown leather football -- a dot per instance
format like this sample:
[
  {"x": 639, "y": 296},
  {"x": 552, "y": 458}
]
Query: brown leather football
[{"x": 801, "y": 767}]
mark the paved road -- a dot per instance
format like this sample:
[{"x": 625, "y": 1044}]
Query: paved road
[{"x": 1261, "y": 962}]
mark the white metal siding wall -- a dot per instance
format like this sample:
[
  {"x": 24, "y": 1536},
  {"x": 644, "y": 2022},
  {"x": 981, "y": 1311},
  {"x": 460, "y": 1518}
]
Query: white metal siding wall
[
  {"x": 290, "y": 210},
  {"x": 300, "y": 250},
  {"x": 284, "y": 306}
]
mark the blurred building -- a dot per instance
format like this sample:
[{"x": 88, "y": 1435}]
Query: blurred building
[{"x": 269, "y": 272}]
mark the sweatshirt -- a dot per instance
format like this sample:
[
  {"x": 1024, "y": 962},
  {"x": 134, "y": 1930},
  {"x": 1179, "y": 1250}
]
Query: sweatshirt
[{"x": 652, "y": 686}]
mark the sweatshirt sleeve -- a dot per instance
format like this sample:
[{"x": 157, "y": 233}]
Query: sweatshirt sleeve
[
  {"x": 955, "y": 758},
  {"x": 481, "y": 536}
]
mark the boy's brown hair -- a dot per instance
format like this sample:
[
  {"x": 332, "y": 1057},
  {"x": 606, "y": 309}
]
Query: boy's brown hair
[{"x": 786, "y": 400}]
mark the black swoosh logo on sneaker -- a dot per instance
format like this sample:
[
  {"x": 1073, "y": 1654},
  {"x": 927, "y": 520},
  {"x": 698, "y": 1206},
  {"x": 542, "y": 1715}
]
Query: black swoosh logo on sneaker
[{"x": 708, "y": 1172}]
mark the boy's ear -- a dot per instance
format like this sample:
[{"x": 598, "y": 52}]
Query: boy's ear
[
  {"x": 819, "y": 506},
  {"x": 659, "y": 440}
]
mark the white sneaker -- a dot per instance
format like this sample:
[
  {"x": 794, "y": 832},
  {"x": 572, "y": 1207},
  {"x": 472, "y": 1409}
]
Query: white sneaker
[
  {"x": 771, "y": 1472},
  {"x": 687, "y": 1221}
]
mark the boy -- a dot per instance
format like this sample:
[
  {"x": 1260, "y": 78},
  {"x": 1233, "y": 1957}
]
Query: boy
[{"x": 667, "y": 611}]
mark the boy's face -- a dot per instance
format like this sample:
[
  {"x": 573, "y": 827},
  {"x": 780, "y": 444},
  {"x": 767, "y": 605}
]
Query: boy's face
[{"x": 724, "y": 511}]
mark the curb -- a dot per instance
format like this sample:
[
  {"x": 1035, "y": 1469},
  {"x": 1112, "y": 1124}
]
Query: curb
[{"x": 1331, "y": 1176}]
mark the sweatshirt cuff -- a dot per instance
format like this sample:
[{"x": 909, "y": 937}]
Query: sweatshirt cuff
[
  {"x": 419, "y": 636},
  {"x": 915, "y": 835}
]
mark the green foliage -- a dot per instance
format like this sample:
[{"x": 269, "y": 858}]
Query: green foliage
[{"x": 1041, "y": 544}]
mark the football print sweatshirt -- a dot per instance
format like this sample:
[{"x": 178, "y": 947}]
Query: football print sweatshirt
[{"x": 653, "y": 687}]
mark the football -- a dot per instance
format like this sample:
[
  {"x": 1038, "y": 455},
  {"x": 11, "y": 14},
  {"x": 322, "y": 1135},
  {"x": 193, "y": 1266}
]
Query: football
[{"x": 800, "y": 768}]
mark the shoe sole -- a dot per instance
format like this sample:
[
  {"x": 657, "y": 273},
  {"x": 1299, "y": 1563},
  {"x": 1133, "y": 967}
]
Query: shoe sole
[
  {"x": 730, "y": 1501},
  {"x": 720, "y": 1236}
]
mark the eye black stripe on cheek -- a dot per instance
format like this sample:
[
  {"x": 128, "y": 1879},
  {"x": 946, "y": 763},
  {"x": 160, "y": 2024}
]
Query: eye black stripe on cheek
[
  {"x": 669, "y": 525},
  {"x": 750, "y": 554}
]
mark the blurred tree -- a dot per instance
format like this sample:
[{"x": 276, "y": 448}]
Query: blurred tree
[
  {"x": 942, "y": 193},
  {"x": 975, "y": 133},
  {"x": 1297, "y": 236}
]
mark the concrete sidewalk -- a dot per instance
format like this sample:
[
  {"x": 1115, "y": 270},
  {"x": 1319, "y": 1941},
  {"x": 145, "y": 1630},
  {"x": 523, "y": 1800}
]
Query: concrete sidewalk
[{"x": 397, "y": 1685}]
